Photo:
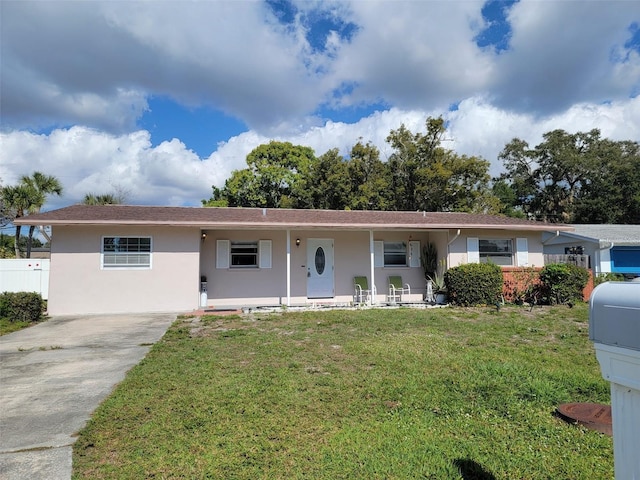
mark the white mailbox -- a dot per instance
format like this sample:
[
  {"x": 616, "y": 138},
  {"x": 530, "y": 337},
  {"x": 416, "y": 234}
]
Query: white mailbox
[{"x": 614, "y": 327}]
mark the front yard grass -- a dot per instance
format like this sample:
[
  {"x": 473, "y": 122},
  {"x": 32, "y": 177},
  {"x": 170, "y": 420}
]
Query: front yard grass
[{"x": 371, "y": 394}]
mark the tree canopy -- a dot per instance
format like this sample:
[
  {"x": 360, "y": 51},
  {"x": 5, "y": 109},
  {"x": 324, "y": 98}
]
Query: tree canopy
[
  {"x": 28, "y": 196},
  {"x": 419, "y": 175},
  {"x": 572, "y": 178}
]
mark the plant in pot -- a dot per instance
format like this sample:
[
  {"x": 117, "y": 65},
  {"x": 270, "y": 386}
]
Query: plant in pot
[
  {"x": 429, "y": 259},
  {"x": 438, "y": 284}
]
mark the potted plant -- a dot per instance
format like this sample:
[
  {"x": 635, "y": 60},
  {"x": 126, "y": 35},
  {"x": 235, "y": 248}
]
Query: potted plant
[
  {"x": 438, "y": 284},
  {"x": 429, "y": 259}
]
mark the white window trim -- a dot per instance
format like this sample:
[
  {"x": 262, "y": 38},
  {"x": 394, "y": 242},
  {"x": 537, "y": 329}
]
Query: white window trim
[
  {"x": 378, "y": 254},
  {"x": 473, "y": 250},
  {"x": 126, "y": 267},
  {"x": 223, "y": 256}
]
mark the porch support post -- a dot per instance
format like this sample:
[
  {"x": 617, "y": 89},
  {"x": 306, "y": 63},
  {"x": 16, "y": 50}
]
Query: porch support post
[
  {"x": 288, "y": 268},
  {"x": 372, "y": 267}
]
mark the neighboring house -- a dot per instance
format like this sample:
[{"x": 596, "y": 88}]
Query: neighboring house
[
  {"x": 611, "y": 248},
  {"x": 118, "y": 258}
]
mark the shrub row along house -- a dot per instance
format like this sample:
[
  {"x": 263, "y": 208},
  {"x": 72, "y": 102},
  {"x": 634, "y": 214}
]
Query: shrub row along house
[{"x": 124, "y": 259}]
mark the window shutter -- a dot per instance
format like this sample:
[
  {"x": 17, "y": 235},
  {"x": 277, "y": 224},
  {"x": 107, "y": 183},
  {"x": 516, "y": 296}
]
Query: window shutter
[
  {"x": 522, "y": 252},
  {"x": 264, "y": 251},
  {"x": 414, "y": 254},
  {"x": 222, "y": 253},
  {"x": 473, "y": 250},
  {"x": 378, "y": 253}
]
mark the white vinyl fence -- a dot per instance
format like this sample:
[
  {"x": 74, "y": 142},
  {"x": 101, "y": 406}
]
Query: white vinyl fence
[{"x": 25, "y": 275}]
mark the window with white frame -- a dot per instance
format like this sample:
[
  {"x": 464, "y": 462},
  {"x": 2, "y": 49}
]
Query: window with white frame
[
  {"x": 244, "y": 255},
  {"x": 498, "y": 251},
  {"x": 126, "y": 252},
  {"x": 395, "y": 254}
]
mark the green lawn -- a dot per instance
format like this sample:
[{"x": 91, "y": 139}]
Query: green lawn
[{"x": 370, "y": 394}]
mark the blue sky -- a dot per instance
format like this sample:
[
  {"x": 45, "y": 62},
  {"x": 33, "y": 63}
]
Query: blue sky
[{"x": 161, "y": 100}]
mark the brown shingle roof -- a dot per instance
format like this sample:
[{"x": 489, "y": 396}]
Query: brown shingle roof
[{"x": 211, "y": 217}]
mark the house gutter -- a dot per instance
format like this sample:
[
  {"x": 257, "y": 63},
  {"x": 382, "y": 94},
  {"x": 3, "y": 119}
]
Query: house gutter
[
  {"x": 455, "y": 237},
  {"x": 599, "y": 251}
]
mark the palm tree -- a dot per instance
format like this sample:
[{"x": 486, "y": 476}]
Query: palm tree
[
  {"x": 102, "y": 199},
  {"x": 16, "y": 200},
  {"x": 39, "y": 187}
]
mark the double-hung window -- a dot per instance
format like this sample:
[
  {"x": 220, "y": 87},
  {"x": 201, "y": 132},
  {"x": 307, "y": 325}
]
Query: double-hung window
[
  {"x": 244, "y": 254},
  {"x": 395, "y": 254},
  {"x": 126, "y": 252},
  {"x": 498, "y": 251}
]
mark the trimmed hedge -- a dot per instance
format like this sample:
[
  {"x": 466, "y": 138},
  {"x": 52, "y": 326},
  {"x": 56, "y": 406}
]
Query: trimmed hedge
[
  {"x": 21, "y": 306},
  {"x": 562, "y": 283},
  {"x": 474, "y": 284}
]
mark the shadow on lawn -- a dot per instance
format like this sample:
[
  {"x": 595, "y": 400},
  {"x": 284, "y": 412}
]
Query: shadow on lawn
[{"x": 471, "y": 470}]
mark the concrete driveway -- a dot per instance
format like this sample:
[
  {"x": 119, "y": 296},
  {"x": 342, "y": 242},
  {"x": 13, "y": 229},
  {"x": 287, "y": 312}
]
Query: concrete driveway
[{"x": 54, "y": 375}]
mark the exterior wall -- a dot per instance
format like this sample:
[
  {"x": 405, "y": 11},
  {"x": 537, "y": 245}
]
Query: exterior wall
[
  {"x": 78, "y": 285},
  {"x": 256, "y": 286},
  {"x": 458, "y": 248}
]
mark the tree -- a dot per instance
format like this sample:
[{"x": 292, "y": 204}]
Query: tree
[
  {"x": 39, "y": 187},
  {"x": 369, "y": 179},
  {"x": 328, "y": 182},
  {"x": 102, "y": 199},
  {"x": 273, "y": 178},
  {"x": 17, "y": 199},
  {"x": 425, "y": 176},
  {"x": 574, "y": 178}
]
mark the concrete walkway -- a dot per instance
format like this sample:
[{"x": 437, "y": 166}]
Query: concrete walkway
[{"x": 54, "y": 375}]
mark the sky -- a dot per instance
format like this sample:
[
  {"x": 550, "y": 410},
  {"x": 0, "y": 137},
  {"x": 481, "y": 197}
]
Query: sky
[{"x": 162, "y": 100}]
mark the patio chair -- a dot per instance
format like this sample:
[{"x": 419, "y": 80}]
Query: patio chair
[
  {"x": 362, "y": 292},
  {"x": 397, "y": 288}
]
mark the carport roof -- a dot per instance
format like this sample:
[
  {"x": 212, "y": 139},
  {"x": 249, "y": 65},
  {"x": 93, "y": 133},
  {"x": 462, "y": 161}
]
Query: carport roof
[{"x": 231, "y": 217}]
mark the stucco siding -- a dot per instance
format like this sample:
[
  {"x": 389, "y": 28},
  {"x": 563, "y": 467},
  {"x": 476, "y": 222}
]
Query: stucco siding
[
  {"x": 255, "y": 286},
  {"x": 458, "y": 253},
  {"x": 79, "y": 285}
]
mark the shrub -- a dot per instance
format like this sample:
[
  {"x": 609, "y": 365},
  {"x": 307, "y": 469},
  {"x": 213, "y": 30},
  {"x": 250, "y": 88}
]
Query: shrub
[
  {"x": 21, "y": 306},
  {"x": 562, "y": 283},
  {"x": 474, "y": 284},
  {"x": 608, "y": 277}
]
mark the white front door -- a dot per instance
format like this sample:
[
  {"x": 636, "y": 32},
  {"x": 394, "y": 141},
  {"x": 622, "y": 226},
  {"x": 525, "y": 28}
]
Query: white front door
[{"x": 320, "y": 268}]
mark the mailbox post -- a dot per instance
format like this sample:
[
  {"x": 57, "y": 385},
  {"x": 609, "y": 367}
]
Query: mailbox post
[{"x": 614, "y": 327}]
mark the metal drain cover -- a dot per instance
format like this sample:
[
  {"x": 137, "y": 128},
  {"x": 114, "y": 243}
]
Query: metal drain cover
[{"x": 594, "y": 416}]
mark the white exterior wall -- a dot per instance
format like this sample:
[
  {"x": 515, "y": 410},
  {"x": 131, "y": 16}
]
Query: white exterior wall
[
  {"x": 78, "y": 285},
  {"x": 458, "y": 254}
]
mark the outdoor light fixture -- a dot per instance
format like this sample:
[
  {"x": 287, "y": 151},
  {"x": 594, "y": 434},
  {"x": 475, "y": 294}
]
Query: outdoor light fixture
[
  {"x": 297, "y": 242},
  {"x": 204, "y": 236}
]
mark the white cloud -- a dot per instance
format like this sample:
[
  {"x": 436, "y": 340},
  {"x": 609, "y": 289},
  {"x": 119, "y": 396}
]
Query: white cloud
[
  {"x": 96, "y": 63},
  {"x": 91, "y": 161}
]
